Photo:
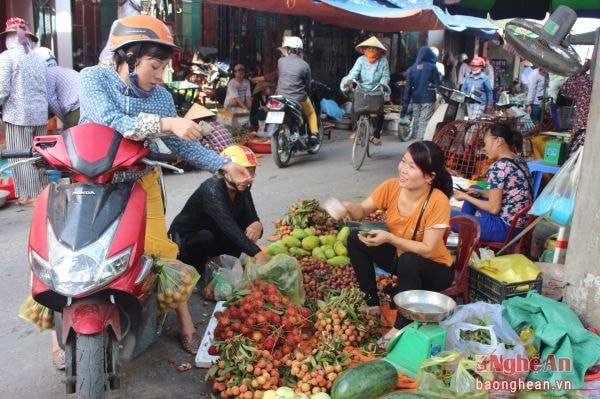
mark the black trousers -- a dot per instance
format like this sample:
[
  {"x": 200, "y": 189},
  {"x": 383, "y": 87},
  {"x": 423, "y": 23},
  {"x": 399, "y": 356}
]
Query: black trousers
[
  {"x": 414, "y": 272},
  {"x": 195, "y": 248}
]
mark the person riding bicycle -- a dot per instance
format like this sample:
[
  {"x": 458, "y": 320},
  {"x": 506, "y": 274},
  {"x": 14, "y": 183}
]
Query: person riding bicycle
[
  {"x": 294, "y": 82},
  {"x": 372, "y": 71}
]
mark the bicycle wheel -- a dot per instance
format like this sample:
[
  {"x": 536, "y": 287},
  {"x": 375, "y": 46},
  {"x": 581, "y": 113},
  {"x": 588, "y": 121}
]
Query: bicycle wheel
[{"x": 360, "y": 147}]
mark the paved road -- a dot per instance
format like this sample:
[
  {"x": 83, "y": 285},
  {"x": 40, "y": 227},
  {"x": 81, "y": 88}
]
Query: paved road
[{"x": 26, "y": 368}]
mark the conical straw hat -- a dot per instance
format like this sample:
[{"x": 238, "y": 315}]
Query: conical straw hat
[{"x": 371, "y": 42}]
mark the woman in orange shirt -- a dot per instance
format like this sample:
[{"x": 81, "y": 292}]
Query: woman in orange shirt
[{"x": 417, "y": 214}]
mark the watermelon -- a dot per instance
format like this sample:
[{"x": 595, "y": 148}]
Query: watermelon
[{"x": 368, "y": 380}]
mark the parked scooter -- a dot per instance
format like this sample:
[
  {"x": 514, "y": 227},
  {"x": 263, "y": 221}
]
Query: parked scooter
[
  {"x": 86, "y": 253},
  {"x": 212, "y": 77},
  {"x": 288, "y": 127}
]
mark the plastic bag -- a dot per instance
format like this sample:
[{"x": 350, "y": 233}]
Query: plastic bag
[
  {"x": 511, "y": 268},
  {"x": 447, "y": 375},
  {"x": 176, "y": 282},
  {"x": 283, "y": 271},
  {"x": 479, "y": 328},
  {"x": 39, "y": 315},
  {"x": 558, "y": 197},
  {"x": 229, "y": 268},
  {"x": 223, "y": 289},
  {"x": 331, "y": 108}
]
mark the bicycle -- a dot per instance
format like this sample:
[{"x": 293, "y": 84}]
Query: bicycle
[{"x": 368, "y": 106}]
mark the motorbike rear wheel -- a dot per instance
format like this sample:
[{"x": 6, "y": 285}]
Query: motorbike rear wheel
[
  {"x": 281, "y": 146},
  {"x": 91, "y": 366},
  {"x": 360, "y": 147}
]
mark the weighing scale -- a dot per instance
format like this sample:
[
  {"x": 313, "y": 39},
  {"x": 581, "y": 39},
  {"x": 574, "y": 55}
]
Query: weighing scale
[{"x": 424, "y": 337}]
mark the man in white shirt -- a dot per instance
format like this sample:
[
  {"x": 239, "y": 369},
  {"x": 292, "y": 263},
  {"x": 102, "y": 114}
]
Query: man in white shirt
[
  {"x": 238, "y": 90},
  {"x": 440, "y": 67},
  {"x": 535, "y": 90}
]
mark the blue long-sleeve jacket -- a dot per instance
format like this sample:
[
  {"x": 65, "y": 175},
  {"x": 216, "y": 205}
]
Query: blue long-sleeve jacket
[
  {"x": 482, "y": 84},
  {"x": 421, "y": 80},
  {"x": 104, "y": 98}
]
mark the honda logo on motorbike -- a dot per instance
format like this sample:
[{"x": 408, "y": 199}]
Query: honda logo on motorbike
[{"x": 84, "y": 192}]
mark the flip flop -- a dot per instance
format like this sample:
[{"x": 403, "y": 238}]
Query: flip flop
[{"x": 191, "y": 344}]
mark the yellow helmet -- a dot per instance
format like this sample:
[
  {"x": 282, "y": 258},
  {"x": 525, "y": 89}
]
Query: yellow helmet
[{"x": 241, "y": 155}]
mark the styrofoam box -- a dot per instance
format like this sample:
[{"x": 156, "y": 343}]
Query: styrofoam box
[{"x": 203, "y": 359}]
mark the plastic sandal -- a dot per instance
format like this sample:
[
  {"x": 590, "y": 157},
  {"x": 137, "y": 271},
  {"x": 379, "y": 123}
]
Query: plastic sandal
[
  {"x": 375, "y": 141},
  {"x": 191, "y": 344},
  {"x": 58, "y": 359}
]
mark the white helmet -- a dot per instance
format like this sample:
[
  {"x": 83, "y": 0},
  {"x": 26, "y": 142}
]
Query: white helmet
[
  {"x": 45, "y": 53},
  {"x": 292, "y": 42}
]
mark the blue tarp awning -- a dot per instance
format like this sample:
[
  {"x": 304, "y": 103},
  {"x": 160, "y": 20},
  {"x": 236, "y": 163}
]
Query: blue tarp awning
[{"x": 372, "y": 15}]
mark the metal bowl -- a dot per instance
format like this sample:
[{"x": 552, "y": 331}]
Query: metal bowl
[
  {"x": 426, "y": 306},
  {"x": 3, "y": 197}
]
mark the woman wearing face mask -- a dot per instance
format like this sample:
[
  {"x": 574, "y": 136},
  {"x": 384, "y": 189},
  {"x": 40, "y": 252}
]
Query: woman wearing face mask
[
  {"x": 418, "y": 213},
  {"x": 220, "y": 217},
  {"x": 24, "y": 103},
  {"x": 371, "y": 70},
  {"x": 478, "y": 84},
  {"x": 125, "y": 93}
]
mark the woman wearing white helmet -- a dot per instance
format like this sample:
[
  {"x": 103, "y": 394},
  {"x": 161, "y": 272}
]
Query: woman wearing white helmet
[{"x": 294, "y": 81}]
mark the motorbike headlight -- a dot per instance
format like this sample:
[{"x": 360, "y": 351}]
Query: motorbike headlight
[{"x": 75, "y": 272}]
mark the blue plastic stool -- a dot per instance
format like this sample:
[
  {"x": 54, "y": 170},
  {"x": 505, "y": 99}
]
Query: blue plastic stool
[{"x": 537, "y": 169}]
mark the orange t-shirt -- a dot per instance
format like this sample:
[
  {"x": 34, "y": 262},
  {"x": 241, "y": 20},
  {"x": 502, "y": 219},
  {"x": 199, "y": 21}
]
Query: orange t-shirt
[{"x": 437, "y": 212}]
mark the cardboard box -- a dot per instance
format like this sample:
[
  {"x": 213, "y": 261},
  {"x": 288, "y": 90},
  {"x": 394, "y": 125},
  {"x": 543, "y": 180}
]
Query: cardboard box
[{"x": 233, "y": 118}]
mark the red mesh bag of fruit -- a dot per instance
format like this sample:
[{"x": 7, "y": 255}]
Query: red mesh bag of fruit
[{"x": 175, "y": 283}]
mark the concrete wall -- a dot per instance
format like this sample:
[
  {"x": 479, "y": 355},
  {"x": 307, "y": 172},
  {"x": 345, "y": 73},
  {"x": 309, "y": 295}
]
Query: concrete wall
[{"x": 583, "y": 256}]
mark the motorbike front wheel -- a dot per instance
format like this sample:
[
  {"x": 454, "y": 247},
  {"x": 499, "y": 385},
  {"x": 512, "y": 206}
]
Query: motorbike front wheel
[
  {"x": 405, "y": 132},
  {"x": 281, "y": 146},
  {"x": 90, "y": 366}
]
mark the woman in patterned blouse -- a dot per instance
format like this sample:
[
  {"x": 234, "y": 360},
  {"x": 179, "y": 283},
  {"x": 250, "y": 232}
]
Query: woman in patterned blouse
[
  {"x": 510, "y": 186},
  {"x": 125, "y": 93}
]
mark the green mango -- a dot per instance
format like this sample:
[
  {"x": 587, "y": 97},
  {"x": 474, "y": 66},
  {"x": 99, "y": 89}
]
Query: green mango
[
  {"x": 277, "y": 248},
  {"x": 299, "y": 251},
  {"x": 328, "y": 239},
  {"x": 290, "y": 241},
  {"x": 310, "y": 242},
  {"x": 343, "y": 234},
  {"x": 298, "y": 233},
  {"x": 318, "y": 253},
  {"x": 339, "y": 260},
  {"x": 309, "y": 232},
  {"x": 340, "y": 249},
  {"x": 329, "y": 253}
]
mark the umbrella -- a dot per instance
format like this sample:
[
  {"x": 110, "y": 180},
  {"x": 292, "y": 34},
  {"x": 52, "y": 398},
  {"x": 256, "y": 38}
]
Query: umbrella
[{"x": 537, "y": 9}]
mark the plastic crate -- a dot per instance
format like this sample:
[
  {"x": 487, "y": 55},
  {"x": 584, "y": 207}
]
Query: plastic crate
[{"x": 485, "y": 288}]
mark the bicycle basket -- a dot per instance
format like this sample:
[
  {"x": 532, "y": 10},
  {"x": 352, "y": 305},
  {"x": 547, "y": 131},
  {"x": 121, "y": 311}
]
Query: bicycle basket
[{"x": 364, "y": 103}]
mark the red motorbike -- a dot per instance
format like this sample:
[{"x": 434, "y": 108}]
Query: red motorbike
[{"x": 86, "y": 253}]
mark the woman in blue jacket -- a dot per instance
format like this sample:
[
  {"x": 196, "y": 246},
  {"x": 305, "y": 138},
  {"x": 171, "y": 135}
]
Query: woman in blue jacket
[{"x": 422, "y": 78}]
